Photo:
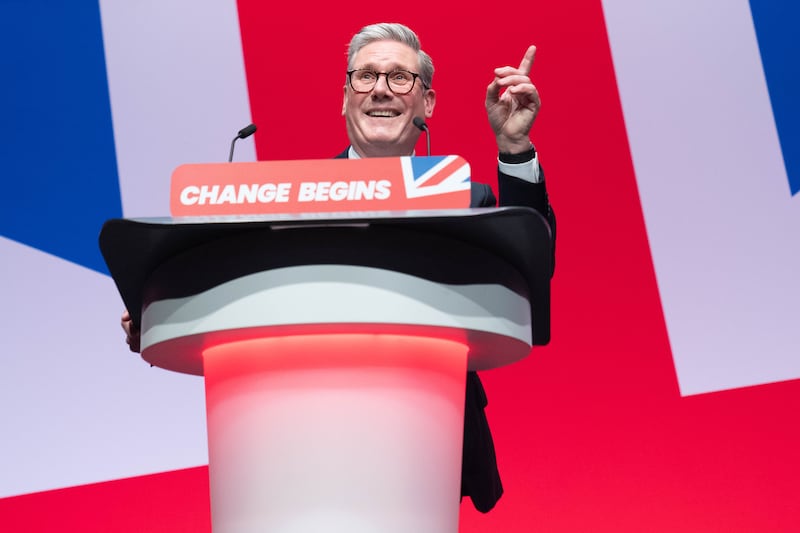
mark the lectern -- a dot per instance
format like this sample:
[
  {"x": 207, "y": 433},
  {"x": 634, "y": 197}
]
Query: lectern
[{"x": 334, "y": 349}]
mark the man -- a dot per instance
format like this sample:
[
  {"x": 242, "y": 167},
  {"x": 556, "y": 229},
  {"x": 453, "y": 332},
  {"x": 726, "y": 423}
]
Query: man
[
  {"x": 388, "y": 84},
  {"x": 389, "y": 80}
]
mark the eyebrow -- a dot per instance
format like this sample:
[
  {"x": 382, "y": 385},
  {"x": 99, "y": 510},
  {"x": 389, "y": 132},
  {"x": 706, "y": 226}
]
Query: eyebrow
[{"x": 395, "y": 66}]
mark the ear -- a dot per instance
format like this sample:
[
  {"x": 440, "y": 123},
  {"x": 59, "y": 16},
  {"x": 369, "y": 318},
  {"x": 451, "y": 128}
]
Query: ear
[
  {"x": 430, "y": 102},
  {"x": 344, "y": 98}
]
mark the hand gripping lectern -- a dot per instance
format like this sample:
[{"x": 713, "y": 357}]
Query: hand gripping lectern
[{"x": 334, "y": 350}]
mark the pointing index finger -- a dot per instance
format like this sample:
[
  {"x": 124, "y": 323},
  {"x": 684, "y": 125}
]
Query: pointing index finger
[{"x": 527, "y": 61}]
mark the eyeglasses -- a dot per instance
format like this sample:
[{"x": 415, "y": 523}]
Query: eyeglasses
[{"x": 400, "y": 82}]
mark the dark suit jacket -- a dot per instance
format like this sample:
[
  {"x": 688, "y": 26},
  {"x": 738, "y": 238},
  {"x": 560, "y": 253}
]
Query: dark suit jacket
[{"x": 480, "y": 479}]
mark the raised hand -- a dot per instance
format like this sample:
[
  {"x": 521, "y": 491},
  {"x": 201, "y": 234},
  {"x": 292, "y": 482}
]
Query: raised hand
[{"x": 511, "y": 114}]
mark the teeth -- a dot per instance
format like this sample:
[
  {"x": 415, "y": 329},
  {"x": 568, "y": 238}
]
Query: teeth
[{"x": 382, "y": 114}]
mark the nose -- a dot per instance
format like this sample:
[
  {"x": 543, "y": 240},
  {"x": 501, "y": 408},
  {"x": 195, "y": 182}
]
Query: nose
[{"x": 382, "y": 85}]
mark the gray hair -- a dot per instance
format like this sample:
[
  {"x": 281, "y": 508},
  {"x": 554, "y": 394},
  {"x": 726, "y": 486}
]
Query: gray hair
[{"x": 391, "y": 31}]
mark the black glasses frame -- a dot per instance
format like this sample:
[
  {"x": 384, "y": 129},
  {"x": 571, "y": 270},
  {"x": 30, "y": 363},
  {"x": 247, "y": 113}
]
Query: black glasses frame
[{"x": 414, "y": 77}]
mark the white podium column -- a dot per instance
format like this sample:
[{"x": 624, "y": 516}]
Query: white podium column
[
  {"x": 350, "y": 433},
  {"x": 335, "y": 393}
]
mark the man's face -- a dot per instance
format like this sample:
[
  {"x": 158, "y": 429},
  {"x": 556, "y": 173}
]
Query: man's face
[{"x": 379, "y": 123}]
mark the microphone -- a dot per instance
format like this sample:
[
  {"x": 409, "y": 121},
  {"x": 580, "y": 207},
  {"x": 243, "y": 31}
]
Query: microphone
[
  {"x": 420, "y": 123},
  {"x": 244, "y": 133}
]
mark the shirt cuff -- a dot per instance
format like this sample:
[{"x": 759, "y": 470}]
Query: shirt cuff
[{"x": 524, "y": 170}]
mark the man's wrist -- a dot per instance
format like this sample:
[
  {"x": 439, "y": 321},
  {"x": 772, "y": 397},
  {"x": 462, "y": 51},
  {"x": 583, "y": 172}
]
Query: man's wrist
[{"x": 516, "y": 158}]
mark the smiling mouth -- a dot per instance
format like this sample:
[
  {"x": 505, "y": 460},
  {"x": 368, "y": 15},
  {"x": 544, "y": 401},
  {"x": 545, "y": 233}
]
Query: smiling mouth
[{"x": 383, "y": 113}]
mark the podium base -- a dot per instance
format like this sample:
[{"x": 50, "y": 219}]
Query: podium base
[{"x": 355, "y": 432}]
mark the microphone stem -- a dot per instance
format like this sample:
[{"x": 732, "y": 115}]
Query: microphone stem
[{"x": 230, "y": 156}]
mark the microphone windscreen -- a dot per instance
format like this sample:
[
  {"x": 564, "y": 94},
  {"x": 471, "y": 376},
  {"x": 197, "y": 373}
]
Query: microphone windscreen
[
  {"x": 420, "y": 123},
  {"x": 247, "y": 131}
]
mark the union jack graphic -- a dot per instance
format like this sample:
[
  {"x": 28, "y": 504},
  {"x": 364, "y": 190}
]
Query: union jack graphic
[{"x": 427, "y": 176}]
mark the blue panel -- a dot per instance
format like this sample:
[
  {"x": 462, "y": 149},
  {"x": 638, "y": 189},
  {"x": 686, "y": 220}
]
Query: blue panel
[
  {"x": 56, "y": 145},
  {"x": 420, "y": 165},
  {"x": 776, "y": 29}
]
